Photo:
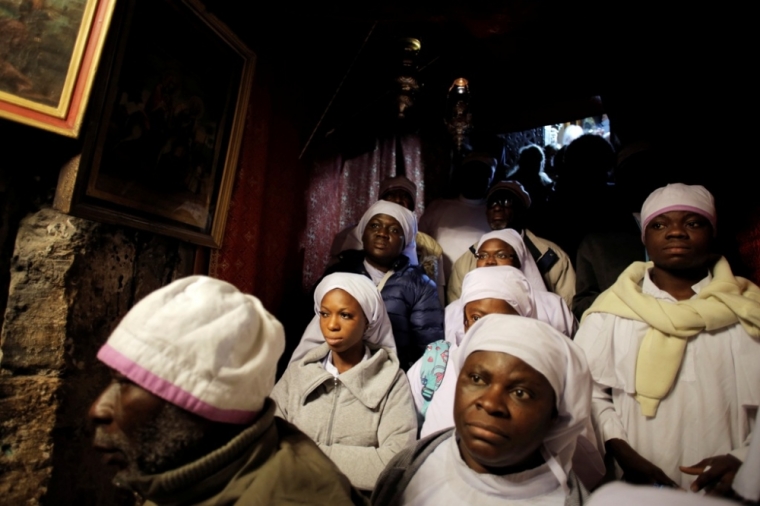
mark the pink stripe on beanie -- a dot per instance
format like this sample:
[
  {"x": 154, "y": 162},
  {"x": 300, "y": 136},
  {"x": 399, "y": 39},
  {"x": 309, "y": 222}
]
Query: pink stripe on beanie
[
  {"x": 679, "y": 197},
  {"x": 202, "y": 345}
]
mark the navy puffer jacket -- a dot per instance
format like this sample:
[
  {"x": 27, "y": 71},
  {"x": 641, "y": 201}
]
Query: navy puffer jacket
[{"x": 411, "y": 299}]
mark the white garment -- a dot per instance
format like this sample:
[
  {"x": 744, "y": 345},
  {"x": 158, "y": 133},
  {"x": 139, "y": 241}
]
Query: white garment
[
  {"x": 747, "y": 481},
  {"x": 456, "y": 224},
  {"x": 552, "y": 309},
  {"x": 444, "y": 478},
  {"x": 710, "y": 409},
  {"x": 618, "y": 493}
]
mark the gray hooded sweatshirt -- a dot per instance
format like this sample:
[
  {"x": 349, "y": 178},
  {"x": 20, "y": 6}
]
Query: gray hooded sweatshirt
[{"x": 361, "y": 419}]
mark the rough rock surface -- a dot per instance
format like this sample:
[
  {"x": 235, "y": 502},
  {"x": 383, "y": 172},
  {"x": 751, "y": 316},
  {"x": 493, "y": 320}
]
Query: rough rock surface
[{"x": 72, "y": 280}]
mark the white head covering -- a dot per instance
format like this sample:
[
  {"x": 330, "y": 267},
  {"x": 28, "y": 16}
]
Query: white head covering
[
  {"x": 202, "y": 345},
  {"x": 527, "y": 264},
  {"x": 365, "y": 292},
  {"x": 405, "y": 218},
  {"x": 678, "y": 197},
  {"x": 505, "y": 283},
  {"x": 561, "y": 362},
  {"x": 500, "y": 282}
]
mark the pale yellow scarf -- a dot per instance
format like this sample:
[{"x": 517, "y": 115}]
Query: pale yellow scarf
[{"x": 724, "y": 301}]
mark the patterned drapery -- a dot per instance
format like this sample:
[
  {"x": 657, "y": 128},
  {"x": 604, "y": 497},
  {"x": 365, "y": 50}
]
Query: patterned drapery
[{"x": 341, "y": 189}]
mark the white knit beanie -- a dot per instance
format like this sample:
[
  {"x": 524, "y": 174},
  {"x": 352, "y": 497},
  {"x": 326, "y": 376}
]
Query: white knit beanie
[{"x": 202, "y": 345}]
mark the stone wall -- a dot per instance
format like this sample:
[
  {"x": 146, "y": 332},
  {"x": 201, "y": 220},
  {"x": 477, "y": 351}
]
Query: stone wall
[{"x": 71, "y": 282}]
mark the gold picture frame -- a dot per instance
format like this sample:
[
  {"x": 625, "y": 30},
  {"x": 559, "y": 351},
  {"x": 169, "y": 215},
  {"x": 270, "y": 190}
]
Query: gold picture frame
[
  {"x": 49, "y": 54},
  {"x": 162, "y": 148}
]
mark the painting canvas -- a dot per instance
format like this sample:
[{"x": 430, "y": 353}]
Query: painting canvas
[
  {"x": 49, "y": 52},
  {"x": 163, "y": 151}
]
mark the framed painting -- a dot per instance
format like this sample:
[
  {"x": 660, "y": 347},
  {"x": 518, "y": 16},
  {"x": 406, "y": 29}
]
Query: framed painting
[
  {"x": 162, "y": 146},
  {"x": 49, "y": 53}
]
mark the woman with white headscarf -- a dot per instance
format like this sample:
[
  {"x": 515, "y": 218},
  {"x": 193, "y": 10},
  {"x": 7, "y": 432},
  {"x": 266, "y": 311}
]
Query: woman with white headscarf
[
  {"x": 506, "y": 247},
  {"x": 411, "y": 297},
  {"x": 349, "y": 394},
  {"x": 523, "y": 396},
  {"x": 502, "y": 290},
  {"x": 480, "y": 289}
]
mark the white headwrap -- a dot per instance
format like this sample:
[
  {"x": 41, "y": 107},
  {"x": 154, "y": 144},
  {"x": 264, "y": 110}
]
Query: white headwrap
[
  {"x": 527, "y": 264},
  {"x": 505, "y": 283},
  {"x": 202, "y": 345},
  {"x": 365, "y": 292},
  {"x": 405, "y": 218},
  {"x": 678, "y": 197},
  {"x": 559, "y": 360}
]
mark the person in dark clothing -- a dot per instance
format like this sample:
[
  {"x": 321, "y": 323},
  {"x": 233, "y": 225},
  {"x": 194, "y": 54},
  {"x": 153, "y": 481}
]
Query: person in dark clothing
[
  {"x": 530, "y": 173},
  {"x": 187, "y": 418},
  {"x": 601, "y": 258},
  {"x": 410, "y": 296}
]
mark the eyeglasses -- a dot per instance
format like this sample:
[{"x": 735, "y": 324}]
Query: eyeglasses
[
  {"x": 501, "y": 202},
  {"x": 499, "y": 255}
]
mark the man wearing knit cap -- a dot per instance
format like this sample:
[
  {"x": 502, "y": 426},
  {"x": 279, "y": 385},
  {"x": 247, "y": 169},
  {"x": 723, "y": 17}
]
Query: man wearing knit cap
[
  {"x": 507, "y": 204},
  {"x": 187, "y": 418},
  {"x": 674, "y": 347}
]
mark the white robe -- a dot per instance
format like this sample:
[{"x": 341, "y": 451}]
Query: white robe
[
  {"x": 709, "y": 411},
  {"x": 444, "y": 478}
]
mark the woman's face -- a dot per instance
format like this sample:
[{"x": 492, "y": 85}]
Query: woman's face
[
  {"x": 477, "y": 309},
  {"x": 341, "y": 320},
  {"x": 383, "y": 240},
  {"x": 496, "y": 252},
  {"x": 503, "y": 410}
]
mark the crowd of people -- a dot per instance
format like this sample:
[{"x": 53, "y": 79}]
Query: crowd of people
[{"x": 444, "y": 364}]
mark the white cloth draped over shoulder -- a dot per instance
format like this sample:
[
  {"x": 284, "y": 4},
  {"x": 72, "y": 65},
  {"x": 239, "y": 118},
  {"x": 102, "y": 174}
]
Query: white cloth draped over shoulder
[
  {"x": 405, "y": 218},
  {"x": 362, "y": 289}
]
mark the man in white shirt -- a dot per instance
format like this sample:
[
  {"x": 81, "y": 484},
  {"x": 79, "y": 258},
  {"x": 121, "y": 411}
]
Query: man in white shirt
[
  {"x": 673, "y": 348},
  {"x": 457, "y": 223}
]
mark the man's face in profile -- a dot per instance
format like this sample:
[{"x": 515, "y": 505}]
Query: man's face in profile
[{"x": 139, "y": 432}]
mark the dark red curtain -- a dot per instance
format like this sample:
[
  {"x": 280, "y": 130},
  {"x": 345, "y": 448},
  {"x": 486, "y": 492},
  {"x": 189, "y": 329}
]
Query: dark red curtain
[
  {"x": 340, "y": 190},
  {"x": 260, "y": 253}
]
